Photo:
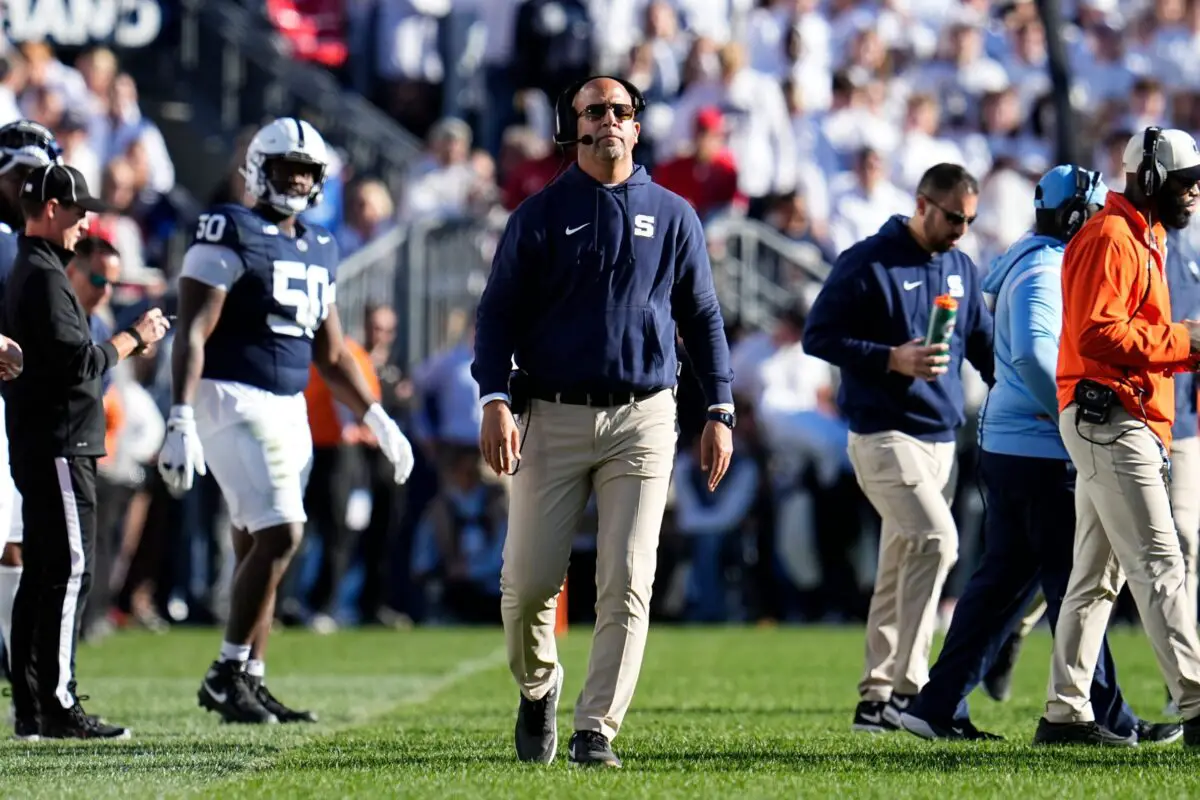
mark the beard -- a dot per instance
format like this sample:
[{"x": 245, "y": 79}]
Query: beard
[
  {"x": 609, "y": 149},
  {"x": 1173, "y": 212}
]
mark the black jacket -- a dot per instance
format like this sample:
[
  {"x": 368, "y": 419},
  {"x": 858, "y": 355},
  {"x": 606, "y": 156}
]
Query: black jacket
[{"x": 54, "y": 408}]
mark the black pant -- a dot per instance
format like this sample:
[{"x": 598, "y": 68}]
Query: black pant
[
  {"x": 336, "y": 472},
  {"x": 1029, "y": 540},
  {"x": 59, "y": 511}
]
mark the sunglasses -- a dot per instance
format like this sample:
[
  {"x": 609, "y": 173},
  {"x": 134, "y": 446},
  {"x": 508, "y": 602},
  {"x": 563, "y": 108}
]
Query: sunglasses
[
  {"x": 99, "y": 281},
  {"x": 953, "y": 217},
  {"x": 597, "y": 111}
]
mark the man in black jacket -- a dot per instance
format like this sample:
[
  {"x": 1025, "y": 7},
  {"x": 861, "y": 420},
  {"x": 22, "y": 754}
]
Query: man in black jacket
[{"x": 55, "y": 423}]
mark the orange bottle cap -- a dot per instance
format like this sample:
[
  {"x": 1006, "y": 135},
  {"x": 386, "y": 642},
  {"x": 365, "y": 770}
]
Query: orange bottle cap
[{"x": 946, "y": 301}]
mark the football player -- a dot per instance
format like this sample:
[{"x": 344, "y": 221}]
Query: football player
[
  {"x": 256, "y": 308},
  {"x": 24, "y": 146}
]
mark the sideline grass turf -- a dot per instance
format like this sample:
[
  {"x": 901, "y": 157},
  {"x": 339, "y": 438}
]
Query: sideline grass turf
[{"x": 429, "y": 713}]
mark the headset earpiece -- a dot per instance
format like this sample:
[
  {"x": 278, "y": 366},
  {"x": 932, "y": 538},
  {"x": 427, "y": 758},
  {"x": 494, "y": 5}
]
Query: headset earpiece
[
  {"x": 1151, "y": 174},
  {"x": 1072, "y": 213},
  {"x": 566, "y": 121}
]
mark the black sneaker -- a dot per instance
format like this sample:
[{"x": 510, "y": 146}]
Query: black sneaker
[
  {"x": 536, "y": 733},
  {"x": 591, "y": 749},
  {"x": 897, "y": 706},
  {"x": 1158, "y": 732},
  {"x": 1191, "y": 732},
  {"x": 998, "y": 680},
  {"x": 928, "y": 729},
  {"x": 75, "y": 723},
  {"x": 281, "y": 712},
  {"x": 226, "y": 689},
  {"x": 870, "y": 717},
  {"x": 1079, "y": 733}
]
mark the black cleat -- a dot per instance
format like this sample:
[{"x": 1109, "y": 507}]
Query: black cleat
[
  {"x": 281, "y": 712},
  {"x": 1158, "y": 732},
  {"x": 591, "y": 749},
  {"x": 26, "y": 729},
  {"x": 928, "y": 729},
  {"x": 869, "y": 717},
  {"x": 75, "y": 723},
  {"x": 1090, "y": 733},
  {"x": 536, "y": 733},
  {"x": 998, "y": 680},
  {"x": 227, "y": 690},
  {"x": 1191, "y": 732}
]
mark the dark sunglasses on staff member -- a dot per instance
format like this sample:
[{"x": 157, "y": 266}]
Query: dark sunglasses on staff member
[{"x": 596, "y": 111}]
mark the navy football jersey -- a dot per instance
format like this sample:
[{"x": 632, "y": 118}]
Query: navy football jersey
[{"x": 279, "y": 292}]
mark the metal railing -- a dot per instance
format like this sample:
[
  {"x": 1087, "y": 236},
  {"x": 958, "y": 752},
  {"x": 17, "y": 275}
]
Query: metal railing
[
  {"x": 431, "y": 272},
  {"x": 230, "y": 58}
]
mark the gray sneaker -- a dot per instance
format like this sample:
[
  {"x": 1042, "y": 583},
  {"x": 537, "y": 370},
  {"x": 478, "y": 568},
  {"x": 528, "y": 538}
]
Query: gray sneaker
[
  {"x": 591, "y": 749},
  {"x": 537, "y": 724}
]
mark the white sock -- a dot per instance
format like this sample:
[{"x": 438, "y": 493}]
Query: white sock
[
  {"x": 234, "y": 652},
  {"x": 256, "y": 668},
  {"x": 10, "y": 578}
]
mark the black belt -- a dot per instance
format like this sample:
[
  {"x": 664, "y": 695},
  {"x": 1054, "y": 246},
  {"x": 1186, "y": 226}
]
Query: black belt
[{"x": 579, "y": 397}]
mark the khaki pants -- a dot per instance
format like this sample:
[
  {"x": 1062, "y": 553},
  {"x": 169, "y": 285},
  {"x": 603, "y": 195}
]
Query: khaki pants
[
  {"x": 1185, "y": 504},
  {"x": 908, "y": 483},
  {"x": 625, "y": 455},
  {"x": 1123, "y": 528}
]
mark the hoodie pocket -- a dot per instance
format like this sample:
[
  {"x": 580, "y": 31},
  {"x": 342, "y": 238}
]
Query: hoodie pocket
[{"x": 641, "y": 356}]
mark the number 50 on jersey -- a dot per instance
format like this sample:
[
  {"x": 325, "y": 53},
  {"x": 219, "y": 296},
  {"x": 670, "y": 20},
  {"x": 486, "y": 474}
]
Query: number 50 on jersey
[{"x": 305, "y": 295}]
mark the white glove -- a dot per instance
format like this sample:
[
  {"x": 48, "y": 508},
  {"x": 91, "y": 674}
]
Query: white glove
[
  {"x": 181, "y": 453},
  {"x": 392, "y": 442}
]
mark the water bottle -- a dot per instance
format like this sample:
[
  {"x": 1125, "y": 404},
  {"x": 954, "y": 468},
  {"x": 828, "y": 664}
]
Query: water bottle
[{"x": 942, "y": 320}]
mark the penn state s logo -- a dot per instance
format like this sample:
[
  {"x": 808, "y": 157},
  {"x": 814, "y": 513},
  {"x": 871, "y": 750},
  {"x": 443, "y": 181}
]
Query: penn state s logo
[
  {"x": 643, "y": 225},
  {"x": 956, "y": 285}
]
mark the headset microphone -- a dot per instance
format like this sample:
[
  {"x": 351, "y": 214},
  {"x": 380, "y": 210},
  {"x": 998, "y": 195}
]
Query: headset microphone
[{"x": 586, "y": 140}]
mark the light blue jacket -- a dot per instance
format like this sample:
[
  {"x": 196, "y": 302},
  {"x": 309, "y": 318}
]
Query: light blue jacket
[{"x": 1020, "y": 417}]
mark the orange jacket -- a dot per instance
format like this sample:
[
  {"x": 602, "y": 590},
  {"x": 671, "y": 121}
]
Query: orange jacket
[
  {"x": 322, "y": 408},
  {"x": 1104, "y": 278}
]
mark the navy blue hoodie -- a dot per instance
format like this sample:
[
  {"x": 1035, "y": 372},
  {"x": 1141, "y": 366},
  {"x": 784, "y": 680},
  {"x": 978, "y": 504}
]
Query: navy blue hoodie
[
  {"x": 587, "y": 286},
  {"x": 880, "y": 295}
]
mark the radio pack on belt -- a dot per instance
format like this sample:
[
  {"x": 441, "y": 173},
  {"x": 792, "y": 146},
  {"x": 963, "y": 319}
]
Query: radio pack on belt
[
  {"x": 1095, "y": 401},
  {"x": 518, "y": 391}
]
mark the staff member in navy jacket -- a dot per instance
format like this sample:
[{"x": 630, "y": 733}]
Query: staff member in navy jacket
[
  {"x": 1183, "y": 281},
  {"x": 903, "y": 402},
  {"x": 590, "y": 279}
]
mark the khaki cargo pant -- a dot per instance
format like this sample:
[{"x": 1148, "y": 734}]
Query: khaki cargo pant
[
  {"x": 908, "y": 483},
  {"x": 1123, "y": 529},
  {"x": 625, "y": 455}
]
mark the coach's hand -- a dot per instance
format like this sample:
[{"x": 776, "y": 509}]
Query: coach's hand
[
  {"x": 716, "y": 451},
  {"x": 499, "y": 439},
  {"x": 181, "y": 454},
  {"x": 916, "y": 360},
  {"x": 12, "y": 359},
  {"x": 392, "y": 442},
  {"x": 152, "y": 326}
]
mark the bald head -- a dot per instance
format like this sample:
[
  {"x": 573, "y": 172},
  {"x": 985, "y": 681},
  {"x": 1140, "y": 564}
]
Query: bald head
[{"x": 601, "y": 90}]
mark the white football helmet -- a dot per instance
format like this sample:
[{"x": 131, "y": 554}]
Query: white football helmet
[{"x": 288, "y": 139}]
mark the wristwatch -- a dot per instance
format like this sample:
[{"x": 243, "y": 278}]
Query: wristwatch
[
  {"x": 137, "y": 337},
  {"x": 724, "y": 417}
]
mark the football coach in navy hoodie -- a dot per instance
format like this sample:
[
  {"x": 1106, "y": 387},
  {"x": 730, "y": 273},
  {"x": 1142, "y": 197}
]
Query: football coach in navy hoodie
[
  {"x": 904, "y": 402},
  {"x": 589, "y": 282}
]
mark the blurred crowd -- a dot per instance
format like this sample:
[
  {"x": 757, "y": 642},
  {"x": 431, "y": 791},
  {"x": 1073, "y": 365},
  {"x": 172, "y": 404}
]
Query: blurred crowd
[{"x": 814, "y": 118}]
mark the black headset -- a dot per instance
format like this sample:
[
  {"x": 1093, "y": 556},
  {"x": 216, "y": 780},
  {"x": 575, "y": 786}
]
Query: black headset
[
  {"x": 566, "y": 120},
  {"x": 1151, "y": 174},
  {"x": 1073, "y": 212}
]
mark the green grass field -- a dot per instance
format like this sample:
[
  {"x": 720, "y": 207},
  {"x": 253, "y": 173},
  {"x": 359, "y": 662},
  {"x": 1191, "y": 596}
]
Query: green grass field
[{"x": 429, "y": 713}]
